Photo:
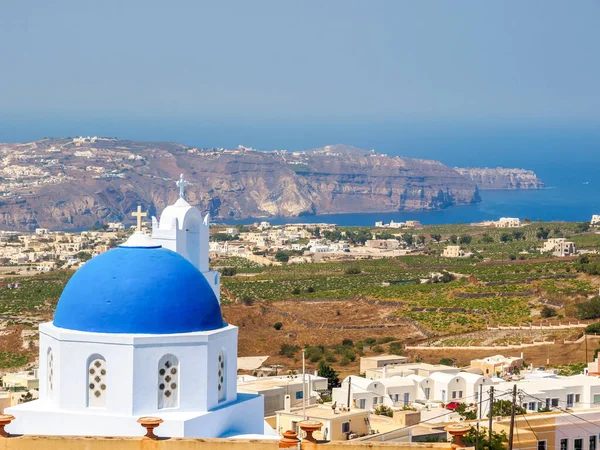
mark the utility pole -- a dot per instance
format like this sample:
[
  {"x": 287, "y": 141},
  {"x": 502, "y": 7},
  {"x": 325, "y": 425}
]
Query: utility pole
[
  {"x": 490, "y": 410},
  {"x": 586, "y": 351},
  {"x": 512, "y": 417},
  {"x": 303, "y": 386},
  {"x": 479, "y": 417},
  {"x": 349, "y": 384}
]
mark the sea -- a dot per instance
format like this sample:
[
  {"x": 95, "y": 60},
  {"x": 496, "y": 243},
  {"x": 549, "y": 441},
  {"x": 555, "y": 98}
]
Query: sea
[{"x": 565, "y": 155}]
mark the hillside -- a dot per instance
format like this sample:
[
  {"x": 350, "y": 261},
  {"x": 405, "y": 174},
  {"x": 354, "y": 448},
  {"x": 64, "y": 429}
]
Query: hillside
[
  {"x": 75, "y": 183},
  {"x": 501, "y": 178}
]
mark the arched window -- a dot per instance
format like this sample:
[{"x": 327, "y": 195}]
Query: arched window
[
  {"x": 222, "y": 381},
  {"x": 168, "y": 382},
  {"x": 96, "y": 382},
  {"x": 49, "y": 372}
]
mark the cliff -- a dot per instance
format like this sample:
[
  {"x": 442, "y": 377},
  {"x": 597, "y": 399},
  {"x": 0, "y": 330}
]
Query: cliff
[
  {"x": 76, "y": 183},
  {"x": 500, "y": 178}
]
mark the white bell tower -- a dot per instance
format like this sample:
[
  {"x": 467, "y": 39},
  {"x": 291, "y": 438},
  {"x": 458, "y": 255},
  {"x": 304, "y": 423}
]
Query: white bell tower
[{"x": 183, "y": 229}]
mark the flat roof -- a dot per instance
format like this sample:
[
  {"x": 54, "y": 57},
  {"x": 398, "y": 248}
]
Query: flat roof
[
  {"x": 325, "y": 412},
  {"x": 383, "y": 357}
]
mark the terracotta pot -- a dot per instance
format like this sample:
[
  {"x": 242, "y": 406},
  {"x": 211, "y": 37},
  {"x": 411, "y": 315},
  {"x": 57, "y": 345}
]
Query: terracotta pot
[
  {"x": 5, "y": 419},
  {"x": 150, "y": 423}
]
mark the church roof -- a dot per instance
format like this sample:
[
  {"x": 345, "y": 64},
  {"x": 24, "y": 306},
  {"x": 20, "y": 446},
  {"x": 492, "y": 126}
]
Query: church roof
[
  {"x": 139, "y": 290},
  {"x": 178, "y": 211}
]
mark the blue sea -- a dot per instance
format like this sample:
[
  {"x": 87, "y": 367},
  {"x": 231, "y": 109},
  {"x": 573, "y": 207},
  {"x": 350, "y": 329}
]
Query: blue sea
[{"x": 566, "y": 156}]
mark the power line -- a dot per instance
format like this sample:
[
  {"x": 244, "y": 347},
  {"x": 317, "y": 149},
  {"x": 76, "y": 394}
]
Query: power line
[{"x": 565, "y": 411}]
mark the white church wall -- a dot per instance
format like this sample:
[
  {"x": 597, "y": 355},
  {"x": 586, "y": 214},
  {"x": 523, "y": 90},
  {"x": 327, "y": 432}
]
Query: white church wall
[
  {"x": 192, "y": 377},
  {"x": 228, "y": 344}
]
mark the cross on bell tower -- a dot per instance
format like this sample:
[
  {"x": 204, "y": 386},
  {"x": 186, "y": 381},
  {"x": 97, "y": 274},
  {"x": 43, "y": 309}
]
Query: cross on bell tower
[
  {"x": 181, "y": 184},
  {"x": 138, "y": 215}
]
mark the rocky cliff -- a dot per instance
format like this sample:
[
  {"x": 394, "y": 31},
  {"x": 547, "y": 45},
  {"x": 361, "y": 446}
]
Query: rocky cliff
[
  {"x": 500, "y": 178},
  {"x": 76, "y": 183}
]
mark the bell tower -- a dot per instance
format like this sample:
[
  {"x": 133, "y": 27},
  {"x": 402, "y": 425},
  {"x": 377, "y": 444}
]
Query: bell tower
[{"x": 182, "y": 228}]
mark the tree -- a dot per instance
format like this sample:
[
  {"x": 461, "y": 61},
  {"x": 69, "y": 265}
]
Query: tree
[
  {"x": 505, "y": 237},
  {"x": 326, "y": 371},
  {"x": 518, "y": 235},
  {"x": 421, "y": 239},
  {"x": 582, "y": 227},
  {"x": 465, "y": 412},
  {"x": 547, "y": 312},
  {"x": 498, "y": 441},
  {"x": 436, "y": 237},
  {"x": 487, "y": 239},
  {"x": 454, "y": 239},
  {"x": 465, "y": 239},
  {"x": 408, "y": 238},
  {"x": 228, "y": 271},
  {"x": 504, "y": 408},
  {"x": 542, "y": 233},
  {"x": 589, "y": 309},
  {"x": 83, "y": 256},
  {"x": 278, "y": 326},
  {"x": 282, "y": 256}
]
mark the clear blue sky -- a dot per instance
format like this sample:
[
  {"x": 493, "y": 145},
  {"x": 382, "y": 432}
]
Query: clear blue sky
[{"x": 292, "y": 61}]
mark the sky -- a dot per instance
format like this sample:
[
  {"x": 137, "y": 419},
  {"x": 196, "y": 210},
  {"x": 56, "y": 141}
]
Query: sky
[{"x": 223, "y": 71}]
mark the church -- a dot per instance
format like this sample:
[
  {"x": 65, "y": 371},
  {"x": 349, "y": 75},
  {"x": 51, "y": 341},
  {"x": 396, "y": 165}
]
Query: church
[{"x": 138, "y": 331}]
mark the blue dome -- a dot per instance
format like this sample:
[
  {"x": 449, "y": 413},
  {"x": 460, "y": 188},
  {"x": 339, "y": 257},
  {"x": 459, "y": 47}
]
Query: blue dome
[{"x": 138, "y": 290}]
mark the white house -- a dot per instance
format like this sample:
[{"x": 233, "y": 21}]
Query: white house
[
  {"x": 453, "y": 251},
  {"x": 508, "y": 222},
  {"x": 445, "y": 387},
  {"x": 394, "y": 392},
  {"x": 595, "y": 220},
  {"x": 138, "y": 331}
]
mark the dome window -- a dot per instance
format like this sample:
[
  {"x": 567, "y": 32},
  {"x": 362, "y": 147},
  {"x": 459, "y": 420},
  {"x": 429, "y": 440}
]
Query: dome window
[
  {"x": 168, "y": 383},
  {"x": 96, "y": 382}
]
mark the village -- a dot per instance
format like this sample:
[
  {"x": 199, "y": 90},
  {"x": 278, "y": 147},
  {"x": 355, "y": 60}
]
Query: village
[{"x": 390, "y": 397}]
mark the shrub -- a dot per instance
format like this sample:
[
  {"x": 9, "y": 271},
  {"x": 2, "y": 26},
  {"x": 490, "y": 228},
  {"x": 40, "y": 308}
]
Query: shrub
[
  {"x": 352, "y": 271},
  {"x": 383, "y": 410},
  {"x": 228, "y": 271},
  {"x": 396, "y": 348},
  {"x": 347, "y": 342},
  {"x": 593, "y": 328},
  {"x": 296, "y": 291},
  {"x": 278, "y": 326},
  {"x": 288, "y": 350},
  {"x": 282, "y": 256},
  {"x": 589, "y": 309},
  {"x": 330, "y": 358},
  {"x": 446, "y": 362},
  {"x": 310, "y": 289},
  {"x": 344, "y": 362},
  {"x": 547, "y": 312},
  {"x": 370, "y": 341},
  {"x": 378, "y": 349},
  {"x": 247, "y": 300}
]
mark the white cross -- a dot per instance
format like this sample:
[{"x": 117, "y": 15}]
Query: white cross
[
  {"x": 138, "y": 215},
  {"x": 181, "y": 184}
]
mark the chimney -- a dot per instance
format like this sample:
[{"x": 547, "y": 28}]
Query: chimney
[
  {"x": 287, "y": 404},
  {"x": 385, "y": 371}
]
